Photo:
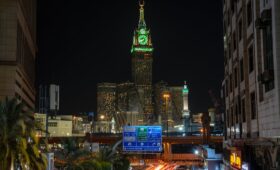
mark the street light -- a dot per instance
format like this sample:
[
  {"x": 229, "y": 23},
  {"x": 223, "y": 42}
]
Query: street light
[
  {"x": 166, "y": 96},
  {"x": 196, "y": 152},
  {"x": 102, "y": 117}
]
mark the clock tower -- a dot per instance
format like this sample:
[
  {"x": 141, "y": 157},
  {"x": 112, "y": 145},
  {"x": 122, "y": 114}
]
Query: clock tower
[{"x": 142, "y": 60}]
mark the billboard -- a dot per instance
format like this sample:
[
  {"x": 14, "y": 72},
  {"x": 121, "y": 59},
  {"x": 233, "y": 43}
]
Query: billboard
[
  {"x": 235, "y": 159},
  {"x": 142, "y": 139}
]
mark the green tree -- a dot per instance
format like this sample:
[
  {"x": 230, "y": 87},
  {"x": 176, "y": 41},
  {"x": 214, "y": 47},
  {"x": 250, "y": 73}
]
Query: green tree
[
  {"x": 113, "y": 157},
  {"x": 18, "y": 141},
  {"x": 71, "y": 157}
]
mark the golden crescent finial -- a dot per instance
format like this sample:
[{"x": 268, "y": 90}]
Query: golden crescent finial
[{"x": 141, "y": 3}]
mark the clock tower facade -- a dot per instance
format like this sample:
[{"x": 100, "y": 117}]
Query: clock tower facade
[{"x": 142, "y": 51}]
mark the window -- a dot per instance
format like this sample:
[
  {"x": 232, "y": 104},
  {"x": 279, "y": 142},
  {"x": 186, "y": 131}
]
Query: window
[
  {"x": 251, "y": 58},
  {"x": 229, "y": 50},
  {"x": 231, "y": 112},
  {"x": 224, "y": 92},
  {"x": 234, "y": 40},
  {"x": 228, "y": 18},
  {"x": 268, "y": 55},
  {"x": 240, "y": 30},
  {"x": 52, "y": 124},
  {"x": 243, "y": 110},
  {"x": 232, "y": 5},
  {"x": 227, "y": 89},
  {"x": 264, "y": 2},
  {"x": 235, "y": 77},
  {"x": 249, "y": 13},
  {"x": 236, "y": 113},
  {"x": 239, "y": 109},
  {"x": 225, "y": 58},
  {"x": 253, "y": 105},
  {"x": 225, "y": 28},
  {"x": 230, "y": 83},
  {"x": 241, "y": 70},
  {"x": 227, "y": 111}
]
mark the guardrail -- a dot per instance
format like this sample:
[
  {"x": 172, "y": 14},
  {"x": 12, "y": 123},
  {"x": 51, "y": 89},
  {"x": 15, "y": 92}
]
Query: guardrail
[{"x": 169, "y": 134}]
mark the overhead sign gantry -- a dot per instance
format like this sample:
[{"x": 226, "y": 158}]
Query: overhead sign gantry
[{"x": 142, "y": 139}]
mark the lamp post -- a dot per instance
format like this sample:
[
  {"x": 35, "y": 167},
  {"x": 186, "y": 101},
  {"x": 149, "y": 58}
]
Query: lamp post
[
  {"x": 166, "y": 96},
  {"x": 102, "y": 117}
]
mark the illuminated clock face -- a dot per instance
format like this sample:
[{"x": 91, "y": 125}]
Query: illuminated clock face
[{"x": 142, "y": 39}]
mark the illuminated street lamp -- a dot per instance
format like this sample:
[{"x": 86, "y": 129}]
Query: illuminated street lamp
[
  {"x": 196, "y": 152},
  {"x": 102, "y": 117},
  {"x": 166, "y": 96}
]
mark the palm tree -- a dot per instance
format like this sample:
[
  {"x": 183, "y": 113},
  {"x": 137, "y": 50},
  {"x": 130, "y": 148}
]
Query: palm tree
[
  {"x": 18, "y": 142},
  {"x": 111, "y": 157},
  {"x": 72, "y": 157}
]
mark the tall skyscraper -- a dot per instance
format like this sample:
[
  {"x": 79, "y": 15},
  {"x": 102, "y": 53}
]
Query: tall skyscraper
[
  {"x": 133, "y": 101},
  {"x": 106, "y": 101},
  {"x": 251, "y": 84},
  {"x": 106, "y": 106},
  {"x": 18, "y": 50},
  {"x": 169, "y": 104},
  {"x": 142, "y": 60}
]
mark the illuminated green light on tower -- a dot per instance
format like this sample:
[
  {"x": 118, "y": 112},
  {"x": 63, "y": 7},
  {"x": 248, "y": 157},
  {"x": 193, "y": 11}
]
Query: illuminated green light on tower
[
  {"x": 185, "y": 89},
  {"x": 141, "y": 49},
  {"x": 142, "y": 31}
]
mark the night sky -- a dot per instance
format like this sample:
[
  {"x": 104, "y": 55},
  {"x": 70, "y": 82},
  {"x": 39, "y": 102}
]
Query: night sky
[{"x": 81, "y": 43}]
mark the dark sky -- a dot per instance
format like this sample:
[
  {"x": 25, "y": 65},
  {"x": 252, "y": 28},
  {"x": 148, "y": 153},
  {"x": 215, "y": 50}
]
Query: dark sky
[{"x": 81, "y": 43}]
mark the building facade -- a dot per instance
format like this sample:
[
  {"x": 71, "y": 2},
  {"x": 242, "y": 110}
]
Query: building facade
[
  {"x": 139, "y": 102},
  {"x": 171, "y": 107},
  {"x": 142, "y": 61},
  {"x": 106, "y": 101},
  {"x": 57, "y": 127},
  {"x": 18, "y": 50},
  {"x": 130, "y": 103},
  {"x": 118, "y": 104},
  {"x": 251, "y": 84}
]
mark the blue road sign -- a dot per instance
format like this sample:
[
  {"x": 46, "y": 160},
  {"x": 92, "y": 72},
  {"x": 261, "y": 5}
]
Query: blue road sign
[{"x": 142, "y": 138}]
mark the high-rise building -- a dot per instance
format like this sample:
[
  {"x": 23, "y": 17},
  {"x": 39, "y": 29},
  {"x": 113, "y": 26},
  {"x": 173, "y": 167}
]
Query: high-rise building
[
  {"x": 106, "y": 101},
  {"x": 178, "y": 103},
  {"x": 185, "y": 110},
  {"x": 169, "y": 105},
  {"x": 131, "y": 98},
  {"x": 142, "y": 60},
  {"x": 18, "y": 50},
  {"x": 133, "y": 101},
  {"x": 106, "y": 106},
  {"x": 251, "y": 84}
]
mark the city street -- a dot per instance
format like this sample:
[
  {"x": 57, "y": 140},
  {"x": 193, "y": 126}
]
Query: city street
[{"x": 140, "y": 85}]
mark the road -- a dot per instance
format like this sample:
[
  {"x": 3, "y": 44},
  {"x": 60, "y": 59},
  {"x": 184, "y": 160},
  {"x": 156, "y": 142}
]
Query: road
[{"x": 166, "y": 166}]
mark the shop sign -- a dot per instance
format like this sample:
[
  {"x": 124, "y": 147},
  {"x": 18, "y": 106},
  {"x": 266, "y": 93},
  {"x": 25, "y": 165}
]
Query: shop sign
[
  {"x": 235, "y": 159},
  {"x": 245, "y": 166}
]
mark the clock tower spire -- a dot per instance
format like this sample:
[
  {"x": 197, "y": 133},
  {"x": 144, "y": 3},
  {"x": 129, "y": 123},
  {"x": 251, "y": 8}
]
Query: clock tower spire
[
  {"x": 142, "y": 51},
  {"x": 142, "y": 23}
]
